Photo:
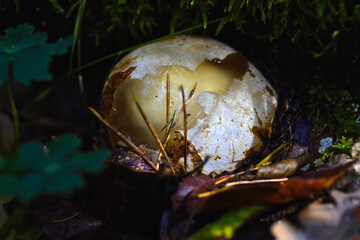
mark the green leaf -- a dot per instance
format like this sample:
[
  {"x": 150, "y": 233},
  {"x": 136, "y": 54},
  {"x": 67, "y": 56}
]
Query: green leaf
[
  {"x": 63, "y": 146},
  {"x": 8, "y": 184},
  {"x": 30, "y": 186},
  {"x": 63, "y": 182},
  {"x": 31, "y": 157},
  {"x": 13, "y": 36},
  {"x": 28, "y": 53},
  {"x": 225, "y": 227},
  {"x": 87, "y": 162},
  {"x": 39, "y": 169}
]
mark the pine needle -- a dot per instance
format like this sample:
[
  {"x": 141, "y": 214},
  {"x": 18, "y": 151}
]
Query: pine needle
[
  {"x": 153, "y": 132},
  {"x": 182, "y": 108},
  {"x": 167, "y": 101},
  {"x": 185, "y": 126},
  {"x": 123, "y": 138},
  {"x": 167, "y": 138}
]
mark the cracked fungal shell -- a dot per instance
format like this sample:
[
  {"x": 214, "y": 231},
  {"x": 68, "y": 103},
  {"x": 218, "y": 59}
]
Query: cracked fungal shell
[{"x": 229, "y": 114}]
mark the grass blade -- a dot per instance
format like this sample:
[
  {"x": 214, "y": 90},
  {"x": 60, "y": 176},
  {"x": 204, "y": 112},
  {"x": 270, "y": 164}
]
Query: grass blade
[
  {"x": 278, "y": 151},
  {"x": 76, "y": 33}
]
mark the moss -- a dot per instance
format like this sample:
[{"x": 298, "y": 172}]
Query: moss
[
  {"x": 342, "y": 146},
  {"x": 334, "y": 110},
  {"x": 322, "y": 33}
]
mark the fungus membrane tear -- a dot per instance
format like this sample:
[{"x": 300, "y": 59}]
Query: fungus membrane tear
[
  {"x": 213, "y": 76},
  {"x": 230, "y": 111}
]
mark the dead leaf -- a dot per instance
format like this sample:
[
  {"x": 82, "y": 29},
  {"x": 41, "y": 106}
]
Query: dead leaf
[
  {"x": 283, "y": 168},
  {"x": 64, "y": 219},
  {"x": 186, "y": 186},
  {"x": 201, "y": 200}
]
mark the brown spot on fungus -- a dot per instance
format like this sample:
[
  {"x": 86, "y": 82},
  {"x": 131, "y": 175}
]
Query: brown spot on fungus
[
  {"x": 271, "y": 92},
  {"x": 176, "y": 151},
  {"x": 258, "y": 118},
  {"x": 108, "y": 94},
  {"x": 259, "y": 132}
]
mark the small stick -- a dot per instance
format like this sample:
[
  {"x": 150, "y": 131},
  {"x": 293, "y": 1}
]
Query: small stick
[
  {"x": 167, "y": 101},
  {"x": 167, "y": 138},
  {"x": 123, "y": 138},
  {"x": 152, "y": 130},
  {"x": 187, "y": 101},
  {"x": 185, "y": 126},
  {"x": 247, "y": 182},
  {"x": 160, "y": 154}
]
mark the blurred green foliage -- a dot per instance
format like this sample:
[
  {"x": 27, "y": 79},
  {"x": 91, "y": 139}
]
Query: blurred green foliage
[
  {"x": 35, "y": 169},
  {"x": 225, "y": 226},
  {"x": 26, "y": 55},
  {"x": 52, "y": 168},
  {"x": 317, "y": 24}
]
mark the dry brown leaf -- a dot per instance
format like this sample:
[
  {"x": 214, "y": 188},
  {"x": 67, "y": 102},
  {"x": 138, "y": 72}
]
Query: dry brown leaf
[{"x": 265, "y": 193}]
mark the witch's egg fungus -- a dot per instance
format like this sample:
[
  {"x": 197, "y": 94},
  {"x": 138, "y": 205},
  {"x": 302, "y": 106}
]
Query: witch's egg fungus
[{"x": 230, "y": 105}]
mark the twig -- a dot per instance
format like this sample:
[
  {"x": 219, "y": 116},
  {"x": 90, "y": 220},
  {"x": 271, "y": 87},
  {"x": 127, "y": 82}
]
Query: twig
[
  {"x": 167, "y": 138},
  {"x": 124, "y": 139},
  {"x": 167, "y": 101},
  {"x": 247, "y": 182},
  {"x": 152, "y": 130},
  {"x": 187, "y": 101},
  {"x": 185, "y": 127},
  {"x": 160, "y": 153}
]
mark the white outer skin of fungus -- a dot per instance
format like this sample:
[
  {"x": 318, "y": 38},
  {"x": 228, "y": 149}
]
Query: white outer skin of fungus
[
  {"x": 230, "y": 116},
  {"x": 177, "y": 50},
  {"x": 228, "y": 133}
]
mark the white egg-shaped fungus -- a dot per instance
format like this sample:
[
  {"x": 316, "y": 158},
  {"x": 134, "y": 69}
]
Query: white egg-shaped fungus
[{"x": 230, "y": 105}]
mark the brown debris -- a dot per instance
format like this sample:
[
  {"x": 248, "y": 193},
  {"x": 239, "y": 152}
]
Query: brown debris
[
  {"x": 175, "y": 149},
  {"x": 203, "y": 200},
  {"x": 109, "y": 90}
]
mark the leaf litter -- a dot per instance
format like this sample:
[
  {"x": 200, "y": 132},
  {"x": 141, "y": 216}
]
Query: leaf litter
[
  {"x": 198, "y": 195},
  {"x": 211, "y": 208}
]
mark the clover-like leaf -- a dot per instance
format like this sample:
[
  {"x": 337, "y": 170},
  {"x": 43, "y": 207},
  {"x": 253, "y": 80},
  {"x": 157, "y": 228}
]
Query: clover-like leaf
[
  {"x": 42, "y": 169},
  {"x": 28, "y": 53}
]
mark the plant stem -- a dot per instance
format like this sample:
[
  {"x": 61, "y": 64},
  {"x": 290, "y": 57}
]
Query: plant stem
[{"x": 14, "y": 113}]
